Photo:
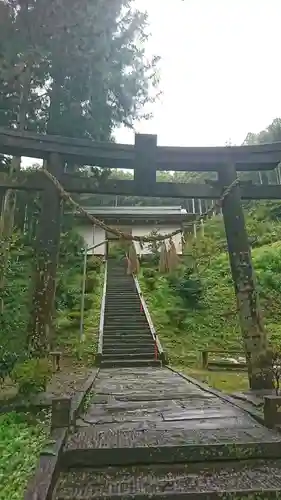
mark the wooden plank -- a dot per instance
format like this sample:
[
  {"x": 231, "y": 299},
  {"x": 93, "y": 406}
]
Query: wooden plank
[
  {"x": 253, "y": 333},
  {"x": 258, "y": 157}
]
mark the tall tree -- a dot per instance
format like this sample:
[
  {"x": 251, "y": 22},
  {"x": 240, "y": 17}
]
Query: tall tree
[
  {"x": 96, "y": 77},
  {"x": 272, "y": 133}
]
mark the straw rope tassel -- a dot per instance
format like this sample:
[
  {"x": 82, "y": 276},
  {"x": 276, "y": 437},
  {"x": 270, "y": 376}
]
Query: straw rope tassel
[
  {"x": 173, "y": 260},
  {"x": 133, "y": 261},
  {"x": 163, "y": 260}
]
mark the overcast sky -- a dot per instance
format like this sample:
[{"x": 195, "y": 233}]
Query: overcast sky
[{"x": 220, "y": 70}]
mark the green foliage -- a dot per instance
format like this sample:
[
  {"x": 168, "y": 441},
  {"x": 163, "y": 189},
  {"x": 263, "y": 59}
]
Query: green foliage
[
  {"x": 94, "y": 264},
  {"x": 7, "y": 363},
  {"x": 32, "y": 375},
  {"x": 13, "y": 321},
  {"x": 150, "y": 277},
  {"x": 67, "y": 298},
  {"x": 20, "y": 445},
  {"x": 185, "y": 328},
  {"x": 92, "y": 280},
  {"x": 187, "y": 286},
  {"x": 74, "y": 80}
]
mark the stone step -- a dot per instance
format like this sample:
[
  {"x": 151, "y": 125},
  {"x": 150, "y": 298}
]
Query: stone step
[
  {"x": 116, "y": 280},
  {"x": 115, "y": 340},
  {"x": 244, "y": 480},
  {"x": 127, "y": 336},
  {"x": 123, "y": 327},
  {"x": 124, "y": 350},
  {"x": 123, "y": 305},
  {"x": 98, "y": 446},
  {"x": 125, "y": 320},
  {"x": 121, "y": 286},
  {"x": 127, "y": 329},
  {"x": 119, "y": 299},
  {"x": 107, "y": 346},
  {"x": 118, "y": 363},
  {"x": 133, "y": 334},
  {"x": 124, "y": 310},
  {"x": 124, "y": 347},
  {"x": 122, "y": 294},
  {"x": 128, "y": 357},
  {"x": 124, "y": 315}
]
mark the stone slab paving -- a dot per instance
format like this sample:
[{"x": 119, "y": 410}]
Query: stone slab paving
[
  {"x": 149, "y": 433},
  {"x": 150, "y": 407}
]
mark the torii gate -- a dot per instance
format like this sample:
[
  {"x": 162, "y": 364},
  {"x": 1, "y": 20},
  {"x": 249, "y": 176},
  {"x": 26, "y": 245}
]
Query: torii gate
[{"x": 145, "y": 158}]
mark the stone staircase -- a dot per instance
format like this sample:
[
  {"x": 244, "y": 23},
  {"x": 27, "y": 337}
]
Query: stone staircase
[{"x": 127, "y": 339}]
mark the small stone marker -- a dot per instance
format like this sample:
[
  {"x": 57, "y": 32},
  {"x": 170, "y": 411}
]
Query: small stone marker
[
  {"x": 60, "y": 412},
  {"x": 272, "y": 411}
]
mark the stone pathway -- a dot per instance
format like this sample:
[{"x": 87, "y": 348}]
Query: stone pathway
[{"x": 146, "y": 426}]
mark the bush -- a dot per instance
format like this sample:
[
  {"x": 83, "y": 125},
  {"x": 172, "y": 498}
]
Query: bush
[
  {"x": 150, "y": 277},
  {"x": 88, "y": 302},
  {"x": 67, "y": 297},
  {"x": 32, "y": 375},
  {"x": 94, "y": 264},
  {"x": 75, "y": 318},
  {"x": 187, "y": 286},
  {"x": 149, "y": 273},
  {"x": 177, "y": 316},
  {"x": 7, "y": 363},
  {"x": 92, "y": 281}
]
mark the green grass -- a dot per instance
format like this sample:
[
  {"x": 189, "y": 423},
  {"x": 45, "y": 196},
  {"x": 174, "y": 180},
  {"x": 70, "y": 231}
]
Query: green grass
[
  {"x": 20, "y": 445},
  {"x": 224, "y": 381}
]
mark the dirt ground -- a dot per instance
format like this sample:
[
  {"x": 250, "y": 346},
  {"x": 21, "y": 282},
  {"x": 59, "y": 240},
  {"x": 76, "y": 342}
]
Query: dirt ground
[{"x": 67, "y": 381}]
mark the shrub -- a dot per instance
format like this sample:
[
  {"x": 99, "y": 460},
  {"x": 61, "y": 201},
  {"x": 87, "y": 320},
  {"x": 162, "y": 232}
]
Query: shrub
[
  {"x": 7, "y": 363},
  {"x": 187, "y": 286},
  {"x": 88, "y": 302},
  {"x": 92, "y": 281},
  {"x": 94, "y": 263},
  {"x": 177, "y": 316},
  {"x": 67, "y": 298},
  {"x": 149, "y": 273},
  {"x": 150, "y": 277},
  {"x": 32, "y": 375},
  {"x": 75, "y": 318}
]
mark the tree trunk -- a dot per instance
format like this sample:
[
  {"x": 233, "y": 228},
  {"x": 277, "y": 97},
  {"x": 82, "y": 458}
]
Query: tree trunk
[
  {"x": 10, "y": 197},
  {"x": 40, "y": 328}
]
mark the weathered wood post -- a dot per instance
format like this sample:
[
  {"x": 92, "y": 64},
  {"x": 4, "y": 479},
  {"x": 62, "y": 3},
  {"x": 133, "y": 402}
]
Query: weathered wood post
[
  {"x": 254, "y": 335},
  {"x": 47, "y": 252},
  {"x": 205, "y": 359},
  {"x": 145, "y": 162}
]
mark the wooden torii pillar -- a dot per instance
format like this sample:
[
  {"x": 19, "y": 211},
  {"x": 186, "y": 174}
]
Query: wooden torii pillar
[{"x": 253, "y": 332}]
